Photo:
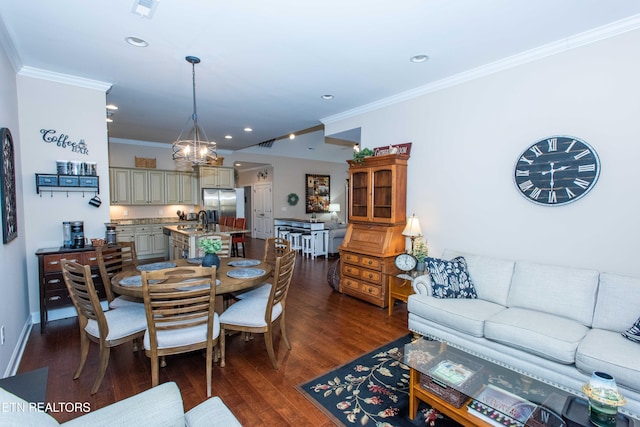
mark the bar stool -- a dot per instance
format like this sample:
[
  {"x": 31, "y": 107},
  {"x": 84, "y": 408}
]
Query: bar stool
[
  {"x": 308, "y": 246},
  {"x": 295, "y": 237},
  {"x": 283, "y": 233}
]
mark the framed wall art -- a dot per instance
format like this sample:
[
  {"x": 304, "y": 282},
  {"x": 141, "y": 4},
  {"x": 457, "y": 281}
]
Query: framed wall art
[
  {"x": 317, "y": 193},
  {"x": 8, "y": 185}
]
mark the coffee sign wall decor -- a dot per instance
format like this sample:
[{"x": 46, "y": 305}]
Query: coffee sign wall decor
[{"x": 50, "y": 136}]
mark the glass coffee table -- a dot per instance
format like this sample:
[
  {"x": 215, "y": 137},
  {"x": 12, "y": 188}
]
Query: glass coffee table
[{"x": 475, "y": 392}]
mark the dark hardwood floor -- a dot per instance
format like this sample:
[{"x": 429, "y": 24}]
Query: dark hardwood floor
[{"x": 326, "y": 329}]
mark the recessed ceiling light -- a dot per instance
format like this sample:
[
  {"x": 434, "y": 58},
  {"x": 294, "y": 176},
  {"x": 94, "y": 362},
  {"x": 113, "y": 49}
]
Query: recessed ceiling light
[
  {"x": 292, "y": 136},
  {"x": 228, "y": 137},
  {"x": 419, "y": 58},
  {"x": 327, "y": 96},
  {"x": 112, "y": 107},
  {"x": 109, "y": 120},
  {"x": 248, "y": 129},
  {"x": 137, "y": 42}
]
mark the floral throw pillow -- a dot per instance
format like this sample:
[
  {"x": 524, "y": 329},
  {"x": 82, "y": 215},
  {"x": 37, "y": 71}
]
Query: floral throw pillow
[
  {"x": 450, "y": 278},
  {"x": 633, "y": 333}
]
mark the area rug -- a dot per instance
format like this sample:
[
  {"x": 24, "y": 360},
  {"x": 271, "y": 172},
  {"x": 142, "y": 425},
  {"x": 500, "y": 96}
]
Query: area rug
[{"x": 372, "y": 390}]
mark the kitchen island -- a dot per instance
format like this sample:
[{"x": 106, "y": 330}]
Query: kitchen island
[
  {"x": 183, "y": 238},
  {"x": 320, "y": 236}
]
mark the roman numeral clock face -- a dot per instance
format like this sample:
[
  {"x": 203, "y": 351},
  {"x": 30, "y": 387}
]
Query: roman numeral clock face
[{"x": 557, "y": 170}]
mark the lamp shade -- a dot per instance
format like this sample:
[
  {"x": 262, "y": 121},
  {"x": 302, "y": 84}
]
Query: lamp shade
[
  {"x": 334, "y": 207},
  {"x": 413, "y": 227}
]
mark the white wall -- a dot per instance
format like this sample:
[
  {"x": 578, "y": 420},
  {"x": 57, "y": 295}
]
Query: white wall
[
  {"x": 76, "y": 111},
  {"x": 467, "y": 138},
  {"x": 14, "y": 306}
]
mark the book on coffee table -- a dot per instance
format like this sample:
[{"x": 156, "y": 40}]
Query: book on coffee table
[{"x": 501, "y": 408}]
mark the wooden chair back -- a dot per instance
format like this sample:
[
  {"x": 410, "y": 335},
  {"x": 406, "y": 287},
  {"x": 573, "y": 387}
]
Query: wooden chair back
[
  {"x": 113, "y": 259},
  {"x": 177, "y": 299},
  {"x": 281, "y": 281},
  {"x": 77, "y": 278},
  {"x": 275, "y": 247}
]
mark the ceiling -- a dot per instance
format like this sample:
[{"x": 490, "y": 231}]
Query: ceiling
[{"x": 266, "y": 64}]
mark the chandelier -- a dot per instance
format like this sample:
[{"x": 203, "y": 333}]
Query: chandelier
[{"x": 194, "y": 148}]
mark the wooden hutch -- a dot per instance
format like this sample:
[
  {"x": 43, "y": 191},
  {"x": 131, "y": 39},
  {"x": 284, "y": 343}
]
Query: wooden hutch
[{"x": 377, "y": 216}]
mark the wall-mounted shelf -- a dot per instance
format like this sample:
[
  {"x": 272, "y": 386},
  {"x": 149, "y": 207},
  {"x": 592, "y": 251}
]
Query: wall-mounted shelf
[{"x": 52, "y": 183}]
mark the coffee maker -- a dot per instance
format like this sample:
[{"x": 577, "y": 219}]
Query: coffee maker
[
  {"x": 110, "y": 234},
  {"x": 77, "y": 234}
]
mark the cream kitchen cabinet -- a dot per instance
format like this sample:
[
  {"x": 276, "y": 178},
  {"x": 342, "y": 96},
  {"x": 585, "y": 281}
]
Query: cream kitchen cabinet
[
  {"x": 151, "y": 242},
  {"x": 147, "y": 187},
  {"x": 216, "y": 177},
  {"x": 180, "y": 188},
  {"x": 120, "y": 185}
]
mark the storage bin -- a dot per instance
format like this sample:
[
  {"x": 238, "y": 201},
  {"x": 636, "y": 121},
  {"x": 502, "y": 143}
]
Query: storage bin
[
  {"x": 88, "y": 181},
  {"x": 47, "y": 180},
  {"x": 68, "y": 181}
]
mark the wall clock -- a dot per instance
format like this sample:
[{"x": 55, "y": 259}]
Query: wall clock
[{"x": 557, "y": 170}]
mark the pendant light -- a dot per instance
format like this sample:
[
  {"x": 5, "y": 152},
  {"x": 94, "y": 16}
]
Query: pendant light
[{"x": 194, "y": 148}]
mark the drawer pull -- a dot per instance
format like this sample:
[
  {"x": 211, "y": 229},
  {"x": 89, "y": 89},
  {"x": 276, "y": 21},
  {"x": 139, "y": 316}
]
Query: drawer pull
[
  {"x": 370, "y": 262},
  {"x": 56, "y": 298},
  {"x": 54, "y": 262},
  {"x": 52, "y": 281},
  {"x": 370, "y": 276},
  {"x": 93, "y": 258}
]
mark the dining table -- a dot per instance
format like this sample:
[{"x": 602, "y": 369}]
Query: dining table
[{"x": 234, "y": 275}]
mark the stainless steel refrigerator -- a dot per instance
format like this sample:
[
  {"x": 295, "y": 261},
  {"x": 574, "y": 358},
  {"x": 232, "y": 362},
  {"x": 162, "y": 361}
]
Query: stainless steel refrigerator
[{"x": 222, "y": 202}]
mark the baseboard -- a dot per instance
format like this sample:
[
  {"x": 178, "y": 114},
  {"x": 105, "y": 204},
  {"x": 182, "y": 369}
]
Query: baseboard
[{"x": 18, "y": 351}]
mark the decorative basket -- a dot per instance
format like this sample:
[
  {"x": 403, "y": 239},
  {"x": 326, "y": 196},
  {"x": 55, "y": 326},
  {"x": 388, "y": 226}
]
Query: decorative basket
[
  {"x": 217, "y": 162},
  {"x": 142, "y": 162},
  {"x": 456, "y": 394},
  {"x": 97, "y": 242}
]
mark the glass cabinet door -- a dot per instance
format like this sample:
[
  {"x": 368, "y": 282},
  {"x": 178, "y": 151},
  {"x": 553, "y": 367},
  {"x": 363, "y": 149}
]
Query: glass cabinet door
[
  {"x": 382, "y": 194},
  {"x": 360, "y": 195}
]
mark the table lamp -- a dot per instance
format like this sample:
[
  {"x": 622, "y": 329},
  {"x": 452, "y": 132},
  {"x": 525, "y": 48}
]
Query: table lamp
[
  {"x": 334, "y": 208},
  {"x": 412, "y": 230}
]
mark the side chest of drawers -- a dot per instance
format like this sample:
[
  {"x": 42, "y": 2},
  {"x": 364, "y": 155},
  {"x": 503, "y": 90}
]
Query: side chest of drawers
[
  {"x": 53, "y": 291},
  {"x": 364, "y": 277}
]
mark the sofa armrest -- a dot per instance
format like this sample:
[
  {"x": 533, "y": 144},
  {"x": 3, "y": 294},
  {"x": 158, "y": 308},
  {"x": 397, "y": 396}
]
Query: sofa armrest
[
  {"x": 422, "y": 285},
  {"x": 161, "y": 405},
  {"x": 211, "y": 412}
]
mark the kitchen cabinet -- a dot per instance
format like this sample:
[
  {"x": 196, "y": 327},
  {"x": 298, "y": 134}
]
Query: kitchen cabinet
[
  {"x": 120, "y": 184},
  {"x": 147, "y": 187},
  {"x": 216, "y": 177},
  {"x": 53, "y": 291},
  {"x": 378, "y": 189},
  {"x": 179, "y": 188},
  {"x": 150, "y": 241}
]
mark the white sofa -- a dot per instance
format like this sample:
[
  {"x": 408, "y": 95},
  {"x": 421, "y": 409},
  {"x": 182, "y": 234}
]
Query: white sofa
[
  {"x": 556, "y": 323},
  {"x": 336, "y": 235},
  {"x": 158, "y": 406}
]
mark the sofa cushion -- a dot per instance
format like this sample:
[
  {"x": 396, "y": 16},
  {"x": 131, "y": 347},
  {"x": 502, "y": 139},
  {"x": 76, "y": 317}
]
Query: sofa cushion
[
  {"x": 546, "y": 335},
  {"x": 618, "y": 304},
  {"x": 610, "y": 352},
  {"x": 464, "y": 315},
  {"x": 491, "y": 276},
  {"x": 566, "y": 292},
  {"x": 450, "y": 278},
  {"x": 633, "y": 333},
  {"x": 16, "y": 412}
]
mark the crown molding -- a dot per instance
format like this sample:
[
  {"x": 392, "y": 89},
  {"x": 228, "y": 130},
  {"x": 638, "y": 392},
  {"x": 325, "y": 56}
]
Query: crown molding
[
  {"x": 39, "y": 73},
  {"x": 606, "y": 31}
]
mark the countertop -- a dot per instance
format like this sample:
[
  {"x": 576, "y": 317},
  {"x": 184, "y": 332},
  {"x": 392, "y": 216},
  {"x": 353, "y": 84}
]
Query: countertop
[
  {"x": 143, "y": 221},
  {"x": 191, "y": 230}
]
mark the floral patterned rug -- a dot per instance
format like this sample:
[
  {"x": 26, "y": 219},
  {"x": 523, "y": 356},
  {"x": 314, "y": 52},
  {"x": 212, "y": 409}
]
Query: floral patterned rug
[{"x": 372, "y": 390}]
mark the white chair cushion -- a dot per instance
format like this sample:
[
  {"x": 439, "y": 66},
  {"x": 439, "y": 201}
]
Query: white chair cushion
[
  {"x": 122, "y": 322},
  {"x": 546, "y": 335},
  {"x": 249, "y": 312},
  {"x": 610, "y": 352},
  {"x": 563, "y": 291},
  {"x": 122, "y": 301},
  {"x": 461, "y": 314},
  {"x": 261, "y": 292},
  {"x": 186, "y": 336}
]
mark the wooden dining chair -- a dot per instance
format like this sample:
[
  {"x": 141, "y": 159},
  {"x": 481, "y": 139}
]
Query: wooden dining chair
[
  {"x": 238, "y": 238},
  {"x": 274, "y": 247},
  {"x": 179, "y": 304},
  {"x": 107, "y": 328},
  {"x": 113, "y": 259},
  {"x": 257, "y": 314}
]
